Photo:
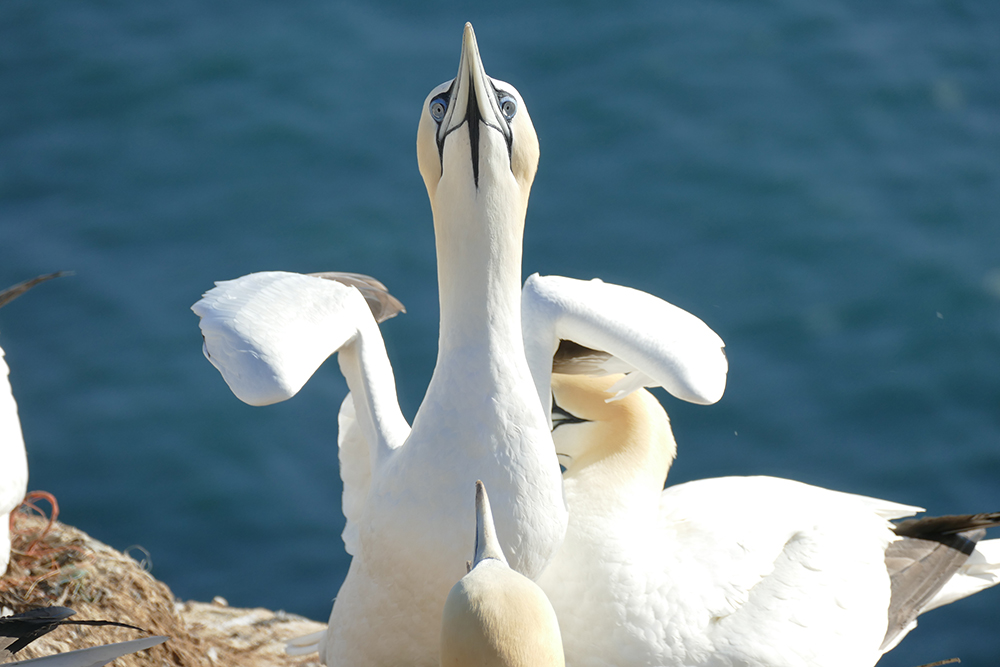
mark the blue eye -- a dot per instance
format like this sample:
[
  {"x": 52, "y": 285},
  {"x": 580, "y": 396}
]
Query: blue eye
[
  {"x": 439, "y": 105},
  {"x": 508, "y": 107}
]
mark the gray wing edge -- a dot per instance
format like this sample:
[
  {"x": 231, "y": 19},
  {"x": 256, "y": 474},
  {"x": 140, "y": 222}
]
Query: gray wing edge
[
  {"x": 95, "y": 656},
  {"x": 382, "y": 304},
  {"x": 929, "y": 553}
]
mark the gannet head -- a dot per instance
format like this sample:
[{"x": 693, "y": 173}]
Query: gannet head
[
  {"x": 475, "y": 134},
  {"x": 587, "y": 429},
  {"x": 494, "y": 616}
]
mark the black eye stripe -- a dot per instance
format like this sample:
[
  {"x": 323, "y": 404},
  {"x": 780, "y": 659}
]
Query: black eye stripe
[
  {"x": 473, "y": 118},
  {"x": 441, "y": 137},
  {"x": 560, "y": 417},
  {"x": 509, "y": 134}
]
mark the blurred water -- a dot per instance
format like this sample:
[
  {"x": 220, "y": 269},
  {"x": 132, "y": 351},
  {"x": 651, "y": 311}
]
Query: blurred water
[{"x": 819, "y": 181}]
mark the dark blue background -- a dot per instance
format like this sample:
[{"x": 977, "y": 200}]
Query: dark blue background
[{"x": 819, "y": 181}]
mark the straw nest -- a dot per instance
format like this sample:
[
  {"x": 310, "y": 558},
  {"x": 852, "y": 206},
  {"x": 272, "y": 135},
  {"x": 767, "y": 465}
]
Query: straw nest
[{"x": 55, "y": 564}]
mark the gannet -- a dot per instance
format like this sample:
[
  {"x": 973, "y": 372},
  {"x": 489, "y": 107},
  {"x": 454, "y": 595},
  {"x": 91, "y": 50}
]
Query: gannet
[
  {"x": 495, "y": 617},
  {"x": 13, "y": 460},
  {"x": 484, "y": 415},
  {"x": 748, "y": 571}
]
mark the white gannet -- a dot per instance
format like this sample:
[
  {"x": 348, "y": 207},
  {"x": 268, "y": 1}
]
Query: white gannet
[
  {"x": 495, "y": 617},
  {"x": 748, "y": 571},
  {"x": 483, "y": 416},
  {"x": 13, "y": 460}
]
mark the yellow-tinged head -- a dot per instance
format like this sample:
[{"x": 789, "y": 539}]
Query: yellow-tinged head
[
  {"x": 629, "y": 434},
  {"x": 475, "y": 130},
  {"x": 494, "y": 616}
]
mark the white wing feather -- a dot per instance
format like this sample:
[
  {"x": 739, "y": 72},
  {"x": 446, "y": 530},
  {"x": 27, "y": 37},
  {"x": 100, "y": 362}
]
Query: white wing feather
[
  {"x": 95, "y": 656},
  {"x": 355, "y": 471},
  {"x": 268, "y": 332},
  {"x": 662, "y": 344}
]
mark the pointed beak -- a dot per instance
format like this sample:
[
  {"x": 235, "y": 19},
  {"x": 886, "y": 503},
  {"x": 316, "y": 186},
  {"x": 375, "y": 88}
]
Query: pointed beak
[
  {"x": 472, "y": 97},
  {"x": 487, "y": 545}
]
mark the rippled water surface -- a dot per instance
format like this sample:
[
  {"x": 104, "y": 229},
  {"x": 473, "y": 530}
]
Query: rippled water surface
[{"x": 819, "y": 181}]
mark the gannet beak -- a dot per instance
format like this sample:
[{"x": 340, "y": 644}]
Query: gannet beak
[
  {"x": 497, "y": 127},
  {"x": 473, "y": 101},
  {"x": 472, "y": 95},
  {"x": 487, "y": 545}
]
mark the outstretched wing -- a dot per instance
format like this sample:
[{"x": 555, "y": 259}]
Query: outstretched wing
[
  {"x": 619, "y": 329},
  {"x": 268, "y": 332}
]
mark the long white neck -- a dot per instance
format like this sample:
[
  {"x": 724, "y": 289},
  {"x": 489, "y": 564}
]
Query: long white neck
[{"x": 479, "y": 235}]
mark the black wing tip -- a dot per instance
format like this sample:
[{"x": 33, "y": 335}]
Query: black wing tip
[
  {"x": 14, "y": 291},
  {"x": 938, "y": 527}
]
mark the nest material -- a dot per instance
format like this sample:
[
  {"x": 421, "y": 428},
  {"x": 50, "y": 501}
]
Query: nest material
[{"x": 55, "y": 564}]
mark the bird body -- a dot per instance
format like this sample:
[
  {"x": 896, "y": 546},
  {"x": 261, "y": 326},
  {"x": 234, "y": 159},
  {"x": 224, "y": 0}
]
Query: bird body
[
  {"x": 13, "y": 461},
  {"x": 485, "y": 413},
  {"x": 479, "y": 418},
  {"x": 495, "y": 617},
  {"x": 13, "y": 458},
  {"x": 728, "y": 571}
]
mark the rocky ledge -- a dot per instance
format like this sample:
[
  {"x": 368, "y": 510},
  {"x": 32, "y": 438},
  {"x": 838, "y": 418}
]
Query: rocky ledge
[{"x": 56, "y": 564}]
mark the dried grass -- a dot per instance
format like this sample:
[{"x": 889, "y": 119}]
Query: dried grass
[{"x": 55, "y": 564}]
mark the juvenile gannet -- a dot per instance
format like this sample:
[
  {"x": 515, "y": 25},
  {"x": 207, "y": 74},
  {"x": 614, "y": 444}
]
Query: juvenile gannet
[
  {"x": 483, "y": 416},
  {"x": 495, "y": 617},
  {"x": 748, "y": 571},
  {"x": 13, "y": 461}
]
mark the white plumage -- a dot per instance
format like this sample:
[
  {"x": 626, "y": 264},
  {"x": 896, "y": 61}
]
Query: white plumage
[
  {"x": 748, "y": 571},
  {"x": 485, "y": 414},
  {"x": 13, "y": 459},
  {"x": 13, "y": 462}
]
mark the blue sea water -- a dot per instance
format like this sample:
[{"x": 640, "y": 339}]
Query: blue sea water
[{"x": 818, "y": 181}]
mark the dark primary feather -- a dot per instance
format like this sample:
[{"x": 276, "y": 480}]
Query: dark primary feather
[
  {"x": 383, "y": 305},
  {"x": 28, "y": 626},
  {"x": 11, "y": 293},
  {"x": 931, "y": 551},
  {"x": 932, "y": 527},
  {"x": 575, "y": 359}
]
